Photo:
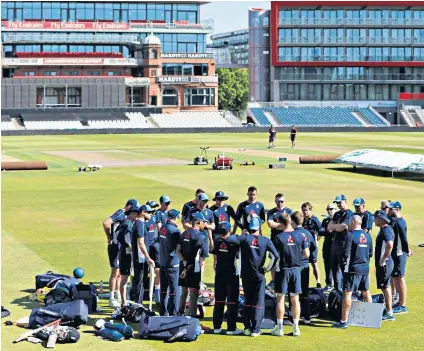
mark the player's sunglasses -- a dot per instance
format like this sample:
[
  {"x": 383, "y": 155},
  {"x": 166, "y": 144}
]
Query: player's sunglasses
[
  {"x": 166, "y": 203},
  {"x": 280, "y": 202},
  {"x": 338, "y": 203},
  {"x": 330, "y": 209}
]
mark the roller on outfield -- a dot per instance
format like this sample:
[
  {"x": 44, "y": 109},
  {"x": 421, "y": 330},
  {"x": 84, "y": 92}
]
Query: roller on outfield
[
  {"x": 24, "y": 166},
  {"x": 317, "y": 159}
]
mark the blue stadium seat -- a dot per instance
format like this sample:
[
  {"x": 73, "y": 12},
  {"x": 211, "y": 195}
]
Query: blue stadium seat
[
  {"x": 260, "y": 115},
  {"x": 372, "y": 117}
]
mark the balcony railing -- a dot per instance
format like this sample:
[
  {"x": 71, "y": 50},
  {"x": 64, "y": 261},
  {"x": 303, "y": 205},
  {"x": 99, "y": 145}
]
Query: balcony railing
[
  {"x": 45, "y": 37},
  {"x": 64, "y": 61},
  {"x": 350, "y": 40},
  {"x": 344, "y": 58},
  {"x": 347, "y": 21},
  {"x": 337, "y": 77}
]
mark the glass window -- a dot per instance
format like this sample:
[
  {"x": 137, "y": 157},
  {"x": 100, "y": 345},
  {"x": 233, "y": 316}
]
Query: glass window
[
  {"x": 169, "y": 97},
  {"x": 108, "y": 14}
]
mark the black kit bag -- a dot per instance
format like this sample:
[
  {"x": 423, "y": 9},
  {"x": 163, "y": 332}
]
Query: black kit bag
[
  {"x": 48, "y": 279},
  {"x": 317, "y": 302},
  {"x": 72, "y": 314}
]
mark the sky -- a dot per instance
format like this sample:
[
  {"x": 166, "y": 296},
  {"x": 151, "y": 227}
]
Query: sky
[{"x": 230, "y": 15}]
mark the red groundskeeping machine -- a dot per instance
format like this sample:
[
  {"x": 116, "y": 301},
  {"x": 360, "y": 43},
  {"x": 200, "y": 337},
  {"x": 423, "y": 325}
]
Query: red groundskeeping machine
[{"x": 223, "y": 162}]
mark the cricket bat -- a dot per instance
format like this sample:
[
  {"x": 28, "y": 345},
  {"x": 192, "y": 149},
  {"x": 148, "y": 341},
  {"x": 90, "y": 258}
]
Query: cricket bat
[
  {"x": 29, "y": 333},
  {"x": 151, "y": 283},
  {"x": 51, "y": 342},
  {"x": 21, "y": 322}
]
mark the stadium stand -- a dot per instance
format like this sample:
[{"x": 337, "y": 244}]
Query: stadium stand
[
  {"x": 191, "y": 120},
  {"x": 53, "y": 125},
  {"x": 260, "y": 115},
  {"x": 373, "y": 119},
  {"x": 416, "y": 113},
  {"x": 6, "y": 123}
]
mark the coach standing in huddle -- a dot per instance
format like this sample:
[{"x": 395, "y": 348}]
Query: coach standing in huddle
[
  {"x": 247, "y": 208},
  {"x": 111, "y": 229},
  {"x": 222, "y": 212},
  {"x": 327, "y": 245},
  {"x": 367, "y": 217},
  {"x": 169, "y": 237},
  {"x": 188, "y": 206},
  {"x": 399, "y": 254},
  {"x": 384, "y": 260},
  {"x": 357, "y": 252},
  {"x": 162, "y": 212},
  {"x": 339, "y": 226}
]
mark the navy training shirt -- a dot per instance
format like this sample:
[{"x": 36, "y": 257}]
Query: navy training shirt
[
  {"x": 400, "y": 243},
  {"x": 117, "y": 218},
  {"x": 226, "y": 257},
  {"x": 275, "y": 214},
  {"x": 357, "y": 252},
  {"x": 207, "y": 213},
  {"x": 139, "y": 231},
  {"x": 312, "y": 244},
  {"x": 313, "y": 225},
  {"x": 162, "y": 216},
  {"x": 193, "y": 246},
  {"x": 186, "y": 209},
  {"x": 152, "y": 230},
  {"x": 125, "y": 228},
  {"x": 169, "y": 237},
  {"x": 367, "y": 220},
  {"x": 340, "y": 217},
  {"x": 222, "y": 214},
  {"x": 245, "y": 209},
  {"x": 253, "y": 253},
  {"x": 324, "y": 229},
  {"x": 385, "y": 235},
  {"x": 290, "y": 246}
]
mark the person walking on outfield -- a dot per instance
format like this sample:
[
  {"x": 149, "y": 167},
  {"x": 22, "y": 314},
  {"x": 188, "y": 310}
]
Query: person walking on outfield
[
  {"x": 273, "y": 216},
  {"x": 400, "y": 253},
  {"x": 297, "y": 221},
  {"x": 384, "y": 260},
  {"x": 327, "y": 245},
  {"x": 188, "y": 206},
  {"x": 154, "y": 247},
  {"x": 291, "y": 247},
  {"x": 272, "y": 137},
  {"x": 161, "y": 213},
  {"x": 356, "y": 257},
  {"x": 141, "y": 257},
  {"x": 254, "y": 248},
  {"x": 111, "y": 229},
  {"x": 367, "y": 217},
  {"x": 247, "y": 208},
  {"x": 169, "y": 237},
  {"x": 222, "y": 212},
  {"x": 192, "y": 250},
  {"x": 227, "y": 283},
  {"x": 293, "y": 134},
  {"x": 126, "y": 250},
  {"x": 313, "y": 225},
  {"x": 339, "y": 226}
]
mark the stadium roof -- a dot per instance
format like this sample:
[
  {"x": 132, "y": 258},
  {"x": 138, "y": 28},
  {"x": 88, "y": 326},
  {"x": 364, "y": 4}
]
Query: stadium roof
[{"x": 156, "y": 1}]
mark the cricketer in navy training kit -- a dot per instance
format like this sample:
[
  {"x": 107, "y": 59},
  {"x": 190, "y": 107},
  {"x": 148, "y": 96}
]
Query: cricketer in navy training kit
[
  {"x": 111, "y": 228},
  {"x": 367, "y": 217},
  {"x": 192, "y": 250},
  {"x": 291, "y": 246},
  {"x": 227, "y": 282},
  {"x": 339, "y": 226},
  {"x": 253, "y": 248},
  {"x": 357, "y": 252},
  {"x": 384, "y": 260},
  {"x": 169, "y": 237},
  {"x": 161, "y": 213},
  {"x": 327, "y": 245},
  {"x": 190, "y": 205},
  {"x": 222, "y": 212},
  {"x": 247, "y": 208}
]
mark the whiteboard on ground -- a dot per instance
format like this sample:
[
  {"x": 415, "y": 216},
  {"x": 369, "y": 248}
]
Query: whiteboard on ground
[{"x": 365, "y": 314}]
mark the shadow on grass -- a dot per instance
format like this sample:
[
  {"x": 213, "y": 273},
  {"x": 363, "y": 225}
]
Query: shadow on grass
[
  {"x": 26, "y": 303},
  {"x": 380, "y": 173}
]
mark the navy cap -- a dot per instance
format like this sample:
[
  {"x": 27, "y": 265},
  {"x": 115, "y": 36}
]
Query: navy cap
[
  {"x": 132, "y": 202},
  {"x": 340, "y": 198},
  {"x": 152, "y": 203},
  {"x": 225, "y": 226},
  {"x": 73, "y": 336},
  {"x": 254, "y": 224},
  {"x": 173, "y": 214},
  {"x": 359, "y": 201},
  {"x": 133, "y": 209},
  {"x": 164, "y": 199},
  {"x": 395, "y": 204},
  {"x": 220, "y": 195},
  {"x": 203, "y": 197},
  {"x": 145, "y": 208},
  {"x": 198, "y": 216},
  {"x": 383, "y": 215}
]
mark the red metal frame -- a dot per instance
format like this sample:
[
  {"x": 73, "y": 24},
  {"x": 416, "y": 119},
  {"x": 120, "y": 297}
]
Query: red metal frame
[{"x": 275, "y": 5}]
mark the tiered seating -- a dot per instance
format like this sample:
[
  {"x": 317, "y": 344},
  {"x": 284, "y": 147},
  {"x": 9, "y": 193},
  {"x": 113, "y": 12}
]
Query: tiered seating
[
  {"x": 69, "y": 54},
  {"x": 7, "y": 126},
  {"x": 375, "y": 120},
  {"x": 260, "y": 116},
  {"x": 135, "y": 120},
  {"x": 198, "y": 119},
  {"x": 53, "y": 125}
]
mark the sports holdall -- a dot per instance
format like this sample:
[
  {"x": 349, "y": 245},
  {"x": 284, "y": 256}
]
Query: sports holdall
[
  {"x": 170, "y": 329},
  {"x": 72, "y": 314},
  {"x": 88, "y": 293},
  {"x": 270, "y": 313},
  {"x": 317, "y": 302},
  {"x": 335, "y": 301},
  {"x": 48, "y": 279}
]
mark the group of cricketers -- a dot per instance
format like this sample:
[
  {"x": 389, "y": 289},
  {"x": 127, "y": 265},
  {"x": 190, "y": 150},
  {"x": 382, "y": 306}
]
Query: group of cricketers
[{"x": 149, "y": 235}]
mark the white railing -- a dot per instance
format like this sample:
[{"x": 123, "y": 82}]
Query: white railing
[
  {"x": 381, "y": 118},
  {"x": 69, "y": 61},
  {"x": 69, "y": 38}
]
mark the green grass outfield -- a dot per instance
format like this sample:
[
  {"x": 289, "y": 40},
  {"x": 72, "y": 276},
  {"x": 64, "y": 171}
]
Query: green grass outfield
[{"x": 52, "y": 220}]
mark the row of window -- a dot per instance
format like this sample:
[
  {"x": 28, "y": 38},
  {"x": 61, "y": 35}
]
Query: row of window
[
  {"x": 350, "y": 54},
  {"x": 72, "y": 73},
  {"x": 342, "y": 16},
  {"x": 73, "y": 11},
  {"x": 59, "y": 96},
  {"x": 350, "y": 35},
  {"x": 11, "y": 50},
  {"x": 345, "y": 91},
  {"x": 171, "y": 69}
]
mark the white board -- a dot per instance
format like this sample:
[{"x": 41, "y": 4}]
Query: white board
[{"x": 364, "y": 314}]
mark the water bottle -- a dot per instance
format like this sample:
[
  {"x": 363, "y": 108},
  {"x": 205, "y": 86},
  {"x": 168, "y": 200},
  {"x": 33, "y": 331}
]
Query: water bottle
[
  {"x": 101, "y": 287},
  {"x": 128, "y": 291}
]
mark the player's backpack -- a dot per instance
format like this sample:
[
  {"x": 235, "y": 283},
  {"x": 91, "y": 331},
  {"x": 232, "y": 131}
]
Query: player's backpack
[
  {"x": 317, "y": 302},
  {"x": 48, "y": 279},
  {"x": 73, "y": 314},
  {"x": 88, "y": 293},
  {"x": 170, "y": 328},
  {"x": 270, "y": 312},
  {"x": 132, "y": 312},
  {"x": 62, "y": 292},
  {"x": 335, "y": 300}
]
